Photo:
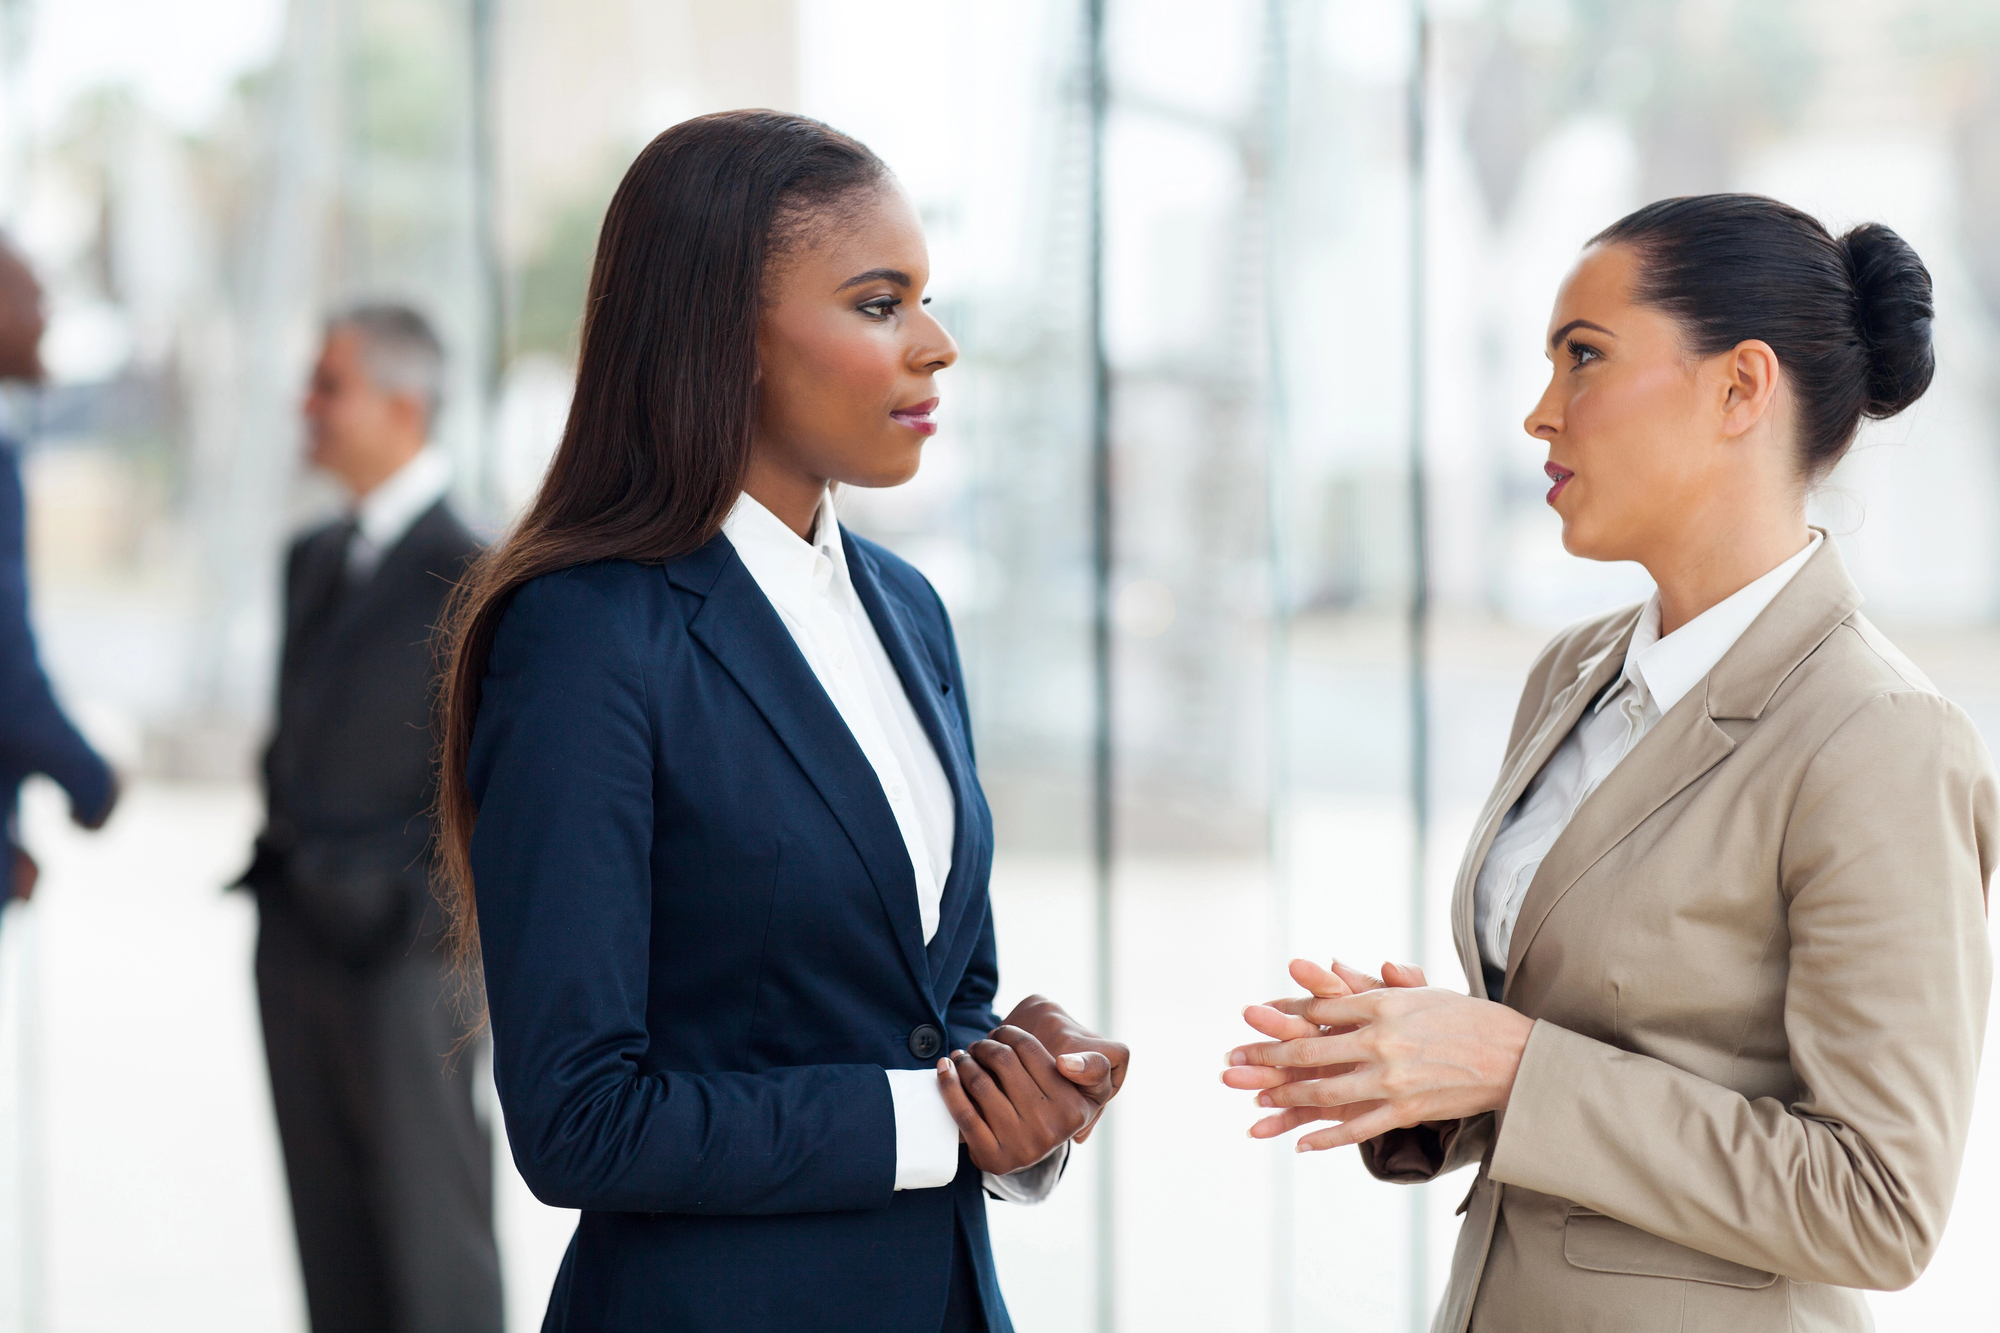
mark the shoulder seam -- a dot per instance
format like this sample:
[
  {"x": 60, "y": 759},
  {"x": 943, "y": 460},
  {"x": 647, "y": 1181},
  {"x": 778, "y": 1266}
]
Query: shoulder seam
[
  {"x": 1913, "y": 686},
  {"x": 1860, "y": 706}
]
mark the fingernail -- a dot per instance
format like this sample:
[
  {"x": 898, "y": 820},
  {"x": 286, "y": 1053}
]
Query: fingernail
[
  {"x": 943, "y": 1064},
  {"x": 1238, "y": 1058},
  {"x": 1076, "y": 1062},
  {"x": 1264, "y": 1099},
  {"x": 1302, "y": 1147}
]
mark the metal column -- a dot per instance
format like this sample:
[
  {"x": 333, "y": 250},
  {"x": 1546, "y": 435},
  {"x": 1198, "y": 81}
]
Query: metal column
[
  {"x": 1102, "y": 829},
  {"x": 1420, "y": 601}
]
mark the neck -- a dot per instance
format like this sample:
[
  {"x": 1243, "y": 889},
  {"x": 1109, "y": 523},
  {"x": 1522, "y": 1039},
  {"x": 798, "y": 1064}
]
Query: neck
[
  {"x": 362, "y": 482},
  {"x": 1702, "y": 569},
  {"x": 792, "y": 496}
]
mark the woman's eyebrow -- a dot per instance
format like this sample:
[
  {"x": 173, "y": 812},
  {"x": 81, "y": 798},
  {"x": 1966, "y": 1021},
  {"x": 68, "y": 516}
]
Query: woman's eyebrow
[
  {"x": 895, "y": 275},
  {"x": 1567, "y": 329}
]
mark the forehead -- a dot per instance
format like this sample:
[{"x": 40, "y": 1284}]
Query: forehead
[
  {"x": 878, "y": 228},
  {"x": 1600, "y": 281},
  {"x": 341, "y": 351}
]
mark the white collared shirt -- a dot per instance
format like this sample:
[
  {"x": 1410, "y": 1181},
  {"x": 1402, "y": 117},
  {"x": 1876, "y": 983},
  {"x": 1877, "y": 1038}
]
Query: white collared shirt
[
  {"x": 386, "y": 514},
  {"x": 809, "y": 587},
  {"x": 1658, "y": 673}
]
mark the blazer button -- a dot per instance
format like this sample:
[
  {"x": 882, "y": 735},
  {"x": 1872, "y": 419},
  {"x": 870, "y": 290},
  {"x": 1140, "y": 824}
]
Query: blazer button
[{"x": 926, "y": 1041}]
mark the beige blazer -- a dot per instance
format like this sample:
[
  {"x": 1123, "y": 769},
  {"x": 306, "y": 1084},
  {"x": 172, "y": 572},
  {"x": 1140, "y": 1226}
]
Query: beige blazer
[{"x": 1757, "y": 959}]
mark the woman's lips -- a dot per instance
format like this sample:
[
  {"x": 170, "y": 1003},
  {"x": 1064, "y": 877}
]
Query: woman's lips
[
  {"x": 918, "y": 416},
  {"x": 1560, "y": 476}
]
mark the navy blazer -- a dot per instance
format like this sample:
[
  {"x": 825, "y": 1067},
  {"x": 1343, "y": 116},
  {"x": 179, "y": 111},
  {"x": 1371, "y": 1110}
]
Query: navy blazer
[
  {"x": 702, "y": 948},
  {"x": 35, "y": 735}
]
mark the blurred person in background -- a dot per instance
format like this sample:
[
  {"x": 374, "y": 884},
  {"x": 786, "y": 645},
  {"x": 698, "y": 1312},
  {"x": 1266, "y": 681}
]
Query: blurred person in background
[
  {"x": 729, "y": 874},
  {"x": 390, "y": 1169},
  {"x": 35, "y": 734},
  {"x": 1724, "y": 913}
]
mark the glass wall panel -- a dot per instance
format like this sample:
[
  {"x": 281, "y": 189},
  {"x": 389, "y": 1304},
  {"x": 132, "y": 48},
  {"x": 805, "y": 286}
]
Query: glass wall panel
[
  {"x": 993, "y": 145},
  {"x": 1315, "y": 243}
]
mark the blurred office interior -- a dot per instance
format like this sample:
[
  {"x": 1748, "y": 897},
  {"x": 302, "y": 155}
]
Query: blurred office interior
[{"x": 1232, "y": 507}]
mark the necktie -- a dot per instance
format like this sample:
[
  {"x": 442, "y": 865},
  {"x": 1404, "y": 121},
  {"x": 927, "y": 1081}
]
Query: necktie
[{"x": 359, "y": 556}]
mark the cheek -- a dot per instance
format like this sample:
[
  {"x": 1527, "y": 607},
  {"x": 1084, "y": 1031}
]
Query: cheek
[
  {"x": 336, "y": 417},
  {"x": 1626, "y": 430},
  {"x": 353, "y": 416},
  {"x": 840, "y": 370}
]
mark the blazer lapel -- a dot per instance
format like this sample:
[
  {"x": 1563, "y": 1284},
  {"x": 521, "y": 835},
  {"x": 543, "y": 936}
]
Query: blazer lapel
[
  {"x": 1681, "y": 747},
  {"x": 740, "y": 627},
  {"x": 1814, "y": 604},
  {"x": 361, "y": 600},
  {"x": 322, "y": 578},
  {"x": 926, "y": 694},
  {"x": 1593, "y": 673},
  {"x": 1686, "y": 743}
]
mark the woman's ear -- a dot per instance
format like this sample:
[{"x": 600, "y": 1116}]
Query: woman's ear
[{"x": 1750, "y": 385}]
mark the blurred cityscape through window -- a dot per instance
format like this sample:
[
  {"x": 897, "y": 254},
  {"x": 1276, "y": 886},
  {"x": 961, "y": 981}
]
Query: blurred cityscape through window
[{"x": 1287, "y": 312}]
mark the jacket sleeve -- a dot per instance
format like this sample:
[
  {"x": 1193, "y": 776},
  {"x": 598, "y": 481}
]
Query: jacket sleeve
[
  {"x": 562, "y": 766},
  {"x": 35, "y": 734},
  {"x": 1887, "y": 852}
]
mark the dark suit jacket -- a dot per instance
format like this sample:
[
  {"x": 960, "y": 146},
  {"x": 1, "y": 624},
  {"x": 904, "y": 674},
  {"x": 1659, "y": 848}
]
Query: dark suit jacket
[
  {"x": 35, "y": 736},
  {"x": 349, "y": 774},
  {"x": 702, "y": 948}
]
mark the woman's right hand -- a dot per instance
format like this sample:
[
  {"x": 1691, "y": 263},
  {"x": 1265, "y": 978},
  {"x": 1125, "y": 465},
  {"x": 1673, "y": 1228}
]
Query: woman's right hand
[{"x": 1012, "y": 1104}]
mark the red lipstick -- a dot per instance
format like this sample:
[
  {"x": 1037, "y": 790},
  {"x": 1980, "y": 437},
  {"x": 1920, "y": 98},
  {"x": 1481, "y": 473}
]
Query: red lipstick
[{"x": 1560, "y": 476}]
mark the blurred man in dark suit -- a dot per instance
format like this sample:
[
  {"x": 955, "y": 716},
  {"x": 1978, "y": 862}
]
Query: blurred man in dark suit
[
  {"x": 35, "y": 735},
  {"x": 390, "y": 1168}
]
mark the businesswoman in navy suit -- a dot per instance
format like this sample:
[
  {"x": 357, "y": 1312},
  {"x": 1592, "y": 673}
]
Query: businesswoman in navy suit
[{"x": 710, "y": 815}]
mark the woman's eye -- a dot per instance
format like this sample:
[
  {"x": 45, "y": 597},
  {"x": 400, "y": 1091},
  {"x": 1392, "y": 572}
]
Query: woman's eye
[
  {"x": 881, "y": 309},
  {"x": 1583, "y": 353}
]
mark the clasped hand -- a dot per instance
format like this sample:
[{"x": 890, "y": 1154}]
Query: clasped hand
[
  {"x": 1036, "y": 1080},
  {"x": 1375, "y": 1054}
]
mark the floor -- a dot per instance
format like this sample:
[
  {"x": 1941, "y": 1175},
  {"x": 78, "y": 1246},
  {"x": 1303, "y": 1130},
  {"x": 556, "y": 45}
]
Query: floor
[{"x": 139, "y": 1181}]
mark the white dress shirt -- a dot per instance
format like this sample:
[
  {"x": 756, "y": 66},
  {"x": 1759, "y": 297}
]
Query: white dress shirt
[
  {"x": 1658, "y": 673},
  {"x": 385, "y": 515},
  {"x": 809, "y": 587}
]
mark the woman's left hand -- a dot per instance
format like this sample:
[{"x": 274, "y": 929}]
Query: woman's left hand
[
  {"x": 1378, "y": 1060},
  {"x": 1068, "y": 1039}
]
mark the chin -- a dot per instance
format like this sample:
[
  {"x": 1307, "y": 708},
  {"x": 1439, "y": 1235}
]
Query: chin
[
  {"x": 1589, "y": 542},
  {"x": 1576, "y": 536},
  {"x": 891, "y": 472},
  {"x": 1582, "y": 547}
]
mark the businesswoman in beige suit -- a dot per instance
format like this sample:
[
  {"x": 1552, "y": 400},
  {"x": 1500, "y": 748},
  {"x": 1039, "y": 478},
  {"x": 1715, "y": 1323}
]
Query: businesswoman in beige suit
[{"x": 1725, "y": 909}]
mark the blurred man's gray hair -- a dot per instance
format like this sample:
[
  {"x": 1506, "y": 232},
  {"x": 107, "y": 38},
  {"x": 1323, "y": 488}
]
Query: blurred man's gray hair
[{"x": 400, "y": 349}]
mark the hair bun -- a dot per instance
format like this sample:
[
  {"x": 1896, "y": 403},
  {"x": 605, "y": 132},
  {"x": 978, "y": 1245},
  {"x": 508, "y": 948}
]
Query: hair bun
[{"x": 1892, "y": 305}]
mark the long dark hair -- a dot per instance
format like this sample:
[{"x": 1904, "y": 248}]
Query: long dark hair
[
  {"x": 1849, "y": 317},
  {"x": 653, "y": 454}
]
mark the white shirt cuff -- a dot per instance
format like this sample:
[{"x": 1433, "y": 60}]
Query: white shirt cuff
[
  {"x": 926, "y": 1135},
  {"x": 1031, "y": 1184}
]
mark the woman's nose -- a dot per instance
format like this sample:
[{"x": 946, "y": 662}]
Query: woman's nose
[
  {"x": 936, "y": 349},
  {"x": 1545, "y": 422}
]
